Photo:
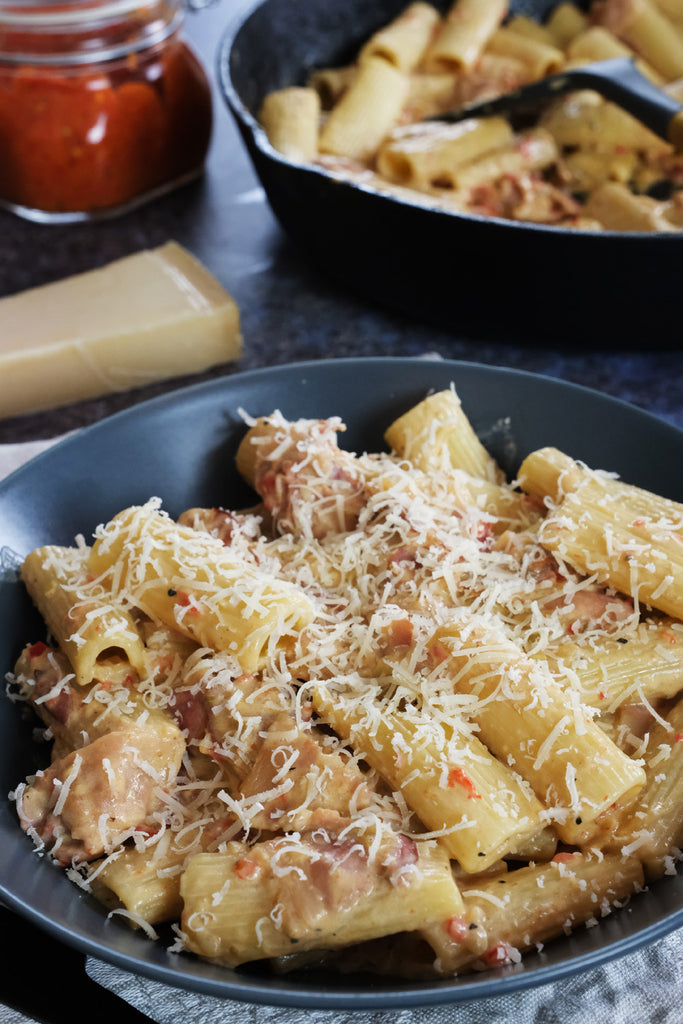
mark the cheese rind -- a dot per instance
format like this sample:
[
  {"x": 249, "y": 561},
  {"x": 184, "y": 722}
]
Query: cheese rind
[{"x": 151, "y": 316}]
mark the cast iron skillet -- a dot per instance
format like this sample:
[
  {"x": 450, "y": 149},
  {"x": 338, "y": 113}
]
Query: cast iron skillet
[{"x": 485, "y": 277}]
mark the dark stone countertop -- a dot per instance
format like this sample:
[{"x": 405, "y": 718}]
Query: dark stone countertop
[{"x": 289, "y": 312}]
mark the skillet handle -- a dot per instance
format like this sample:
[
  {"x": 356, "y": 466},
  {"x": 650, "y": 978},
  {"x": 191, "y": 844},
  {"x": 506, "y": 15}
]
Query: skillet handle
[{"x": 620, "y": 80}]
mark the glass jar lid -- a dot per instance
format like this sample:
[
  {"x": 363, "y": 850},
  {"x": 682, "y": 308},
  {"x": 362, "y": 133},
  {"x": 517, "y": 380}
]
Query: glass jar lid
[{"x": 81, "y": 31}]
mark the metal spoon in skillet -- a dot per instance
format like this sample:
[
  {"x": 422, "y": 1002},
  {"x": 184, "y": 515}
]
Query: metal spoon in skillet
[{"x": 618, "y": 80}]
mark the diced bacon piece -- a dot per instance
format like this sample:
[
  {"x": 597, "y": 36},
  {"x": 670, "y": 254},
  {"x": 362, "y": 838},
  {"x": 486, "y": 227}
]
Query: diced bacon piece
[
  {"x": 35, "y": 650},
  {"x": 82, "y": 801},
  {"x": 323, "y": 873},
  {"x": 216, "y": 711},
  {"x": 403, "y": 854},
  {"x": 76, "y": 715},
  {"x": 499, "y": 955},
  {"x": 323, "y": 496},
  {"x": 565, "y": 857},
  {"x": 219, "y": 522},
  {"x": 308, "y": 484},
  {"x": 43, "y": 674},
  {"x": 594, "y": 608},
  {"x": 405, "y": 556},
  {"x": 523, "y": 197},
  {"x": 293, "y": 776},
  {"x": 484, "y": 534},
  {"x": 247, "y": 867},
  {"x": 398, "y": 633},
  {"x": 456, "y": 928},
  {"x": 544, "y": 568},
  {"x": 191, "y": 711}
]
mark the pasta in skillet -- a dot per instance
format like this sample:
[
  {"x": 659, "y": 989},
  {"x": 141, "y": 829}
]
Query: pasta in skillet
[
  {"x": 584, "y": 164},
  {"x": 400, "y": 715}
]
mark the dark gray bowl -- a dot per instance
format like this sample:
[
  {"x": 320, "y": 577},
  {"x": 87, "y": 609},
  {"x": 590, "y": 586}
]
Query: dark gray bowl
[
  {"x": 181, "y": 448},
  {"x": 483, "y": 276}
]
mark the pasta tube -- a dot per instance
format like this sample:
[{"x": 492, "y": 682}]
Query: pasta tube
[
  {"x": 76, "y": 715},
  {"x": 652, "y": 829},
  {"x": 583, "y": 120},
  {"x": 430, "y": 155},
  {"x": 565, "y": 22},
  {"x": 468, "y": 26},
  {"x": 597, "y": 43},
  {"x": 404, "y": 41},
  {"x": 146, "y": 886},
  {"x": 429, "y": 95},
  {"x": 525, "y": 26},
  {"x": 532, "y": 151},
  {"x": 193, "y": 583},
  {"x": 145, "y": 879},
  {"x": 643, "y": 27},
  {"x": 290, "y": 118},
  {"x": 631, "y": 539},
  {"x": 538, "y": 57},
  {"x": 618, "y": 209},
  {"x": 641, "y": 667},
  {"x": 531, "y": 724},
  {"x": 480, "y": 809},
  {"x": 249, "y": 902},
  {"x": 367, "y": 111},
  {"x": 87, "y": 622},
  {"x": 510, "y": 913},
  {"x": 671, "y": 9},
  {"x": 331, "y": 83},
  {"x": 589, "y": 170},
  {"x": 437, "y": 433}
]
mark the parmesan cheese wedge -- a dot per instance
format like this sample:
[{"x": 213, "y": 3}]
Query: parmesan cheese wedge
[{"x": 150, "y": 316}]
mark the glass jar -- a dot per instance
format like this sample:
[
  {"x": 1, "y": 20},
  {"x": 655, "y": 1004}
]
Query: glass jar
[{"x": 103, "y": 105}]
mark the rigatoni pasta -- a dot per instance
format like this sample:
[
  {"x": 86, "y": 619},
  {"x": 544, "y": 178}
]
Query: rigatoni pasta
[
  {"x": 221, "y": 604},
  {"x": 468, "y": 27},
  {"x": 244, "y": 903},
  {"x": 630, "y": 539},
  {"x": 290, "y": 118},
  {"x": 538, "y": 57},
  {"x": 366, "y": 112},
  {"x": 92, "y": 628},
  {"x": 400, "y": 714},
  {"x": 566, "y": 22},
  {"x": 403, "y": 42},
  {"x": 484, "y": 811}
]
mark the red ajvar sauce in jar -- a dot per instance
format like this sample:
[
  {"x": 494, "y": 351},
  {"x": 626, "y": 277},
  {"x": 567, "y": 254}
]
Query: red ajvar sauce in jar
[{"x": 103, "y": 105}]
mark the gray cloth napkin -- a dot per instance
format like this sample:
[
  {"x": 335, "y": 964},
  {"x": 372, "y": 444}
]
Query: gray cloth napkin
[{"x": 643, "y": 988}]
